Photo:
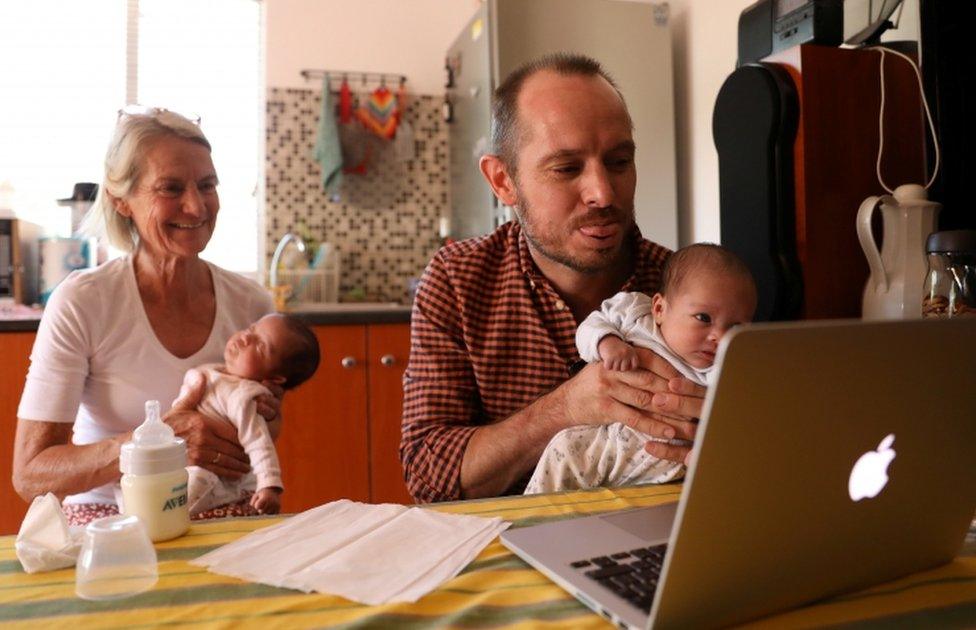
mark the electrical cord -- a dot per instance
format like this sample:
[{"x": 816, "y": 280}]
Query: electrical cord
[{"x": 928, "y": 115}]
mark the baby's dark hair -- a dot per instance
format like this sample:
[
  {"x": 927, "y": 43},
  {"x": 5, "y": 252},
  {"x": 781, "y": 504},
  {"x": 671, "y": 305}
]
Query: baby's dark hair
[
  {"x": 302, "y": 356},
  {"x": 694, "y": 257}
]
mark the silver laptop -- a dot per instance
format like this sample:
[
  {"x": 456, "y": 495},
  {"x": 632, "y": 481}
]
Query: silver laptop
[{"x": 830, "y": 456}]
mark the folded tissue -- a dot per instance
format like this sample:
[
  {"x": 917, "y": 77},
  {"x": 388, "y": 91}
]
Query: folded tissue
[
  {"x": 45, "y": 542},
  {"x": 372, "y": 554}
]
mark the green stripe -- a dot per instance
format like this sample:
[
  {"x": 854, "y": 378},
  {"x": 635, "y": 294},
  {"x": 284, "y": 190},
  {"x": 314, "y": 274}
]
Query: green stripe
[
  {"x": 961, "y": 615},
  {"x": 853, "y": 597},
  {"x": 475, "y": 617},
  {"x": 175, "y": 598}
]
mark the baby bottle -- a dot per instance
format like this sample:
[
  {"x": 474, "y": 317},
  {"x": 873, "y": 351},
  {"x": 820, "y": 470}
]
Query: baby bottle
[{"x": 154, "y": 477}]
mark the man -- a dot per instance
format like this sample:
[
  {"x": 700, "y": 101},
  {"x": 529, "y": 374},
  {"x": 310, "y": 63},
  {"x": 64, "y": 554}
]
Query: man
[{"x": 493, "y": 325}]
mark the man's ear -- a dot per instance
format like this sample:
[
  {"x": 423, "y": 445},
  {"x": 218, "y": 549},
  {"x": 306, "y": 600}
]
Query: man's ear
[
  {"x": 658, "y": 306},
  {"x": 496, "y": 173}
]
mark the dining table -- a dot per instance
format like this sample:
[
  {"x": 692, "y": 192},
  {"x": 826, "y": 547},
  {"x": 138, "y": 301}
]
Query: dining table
[{"x": 497, "y": 589}]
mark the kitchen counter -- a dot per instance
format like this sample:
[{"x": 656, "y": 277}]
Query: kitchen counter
[{"x": 323, "y": 314}]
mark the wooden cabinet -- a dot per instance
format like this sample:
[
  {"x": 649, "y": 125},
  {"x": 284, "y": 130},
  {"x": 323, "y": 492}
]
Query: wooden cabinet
[
  {"x": 15, "y": 350},
  {"x": 342, "y": 428},
  {"x": 388, "y": 348}
]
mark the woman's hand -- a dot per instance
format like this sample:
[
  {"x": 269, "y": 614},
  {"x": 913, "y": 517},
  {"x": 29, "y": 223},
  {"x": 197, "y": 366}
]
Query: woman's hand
[
  {"x": 269, "y": 407},
  {"x": 211, "y": 443}
]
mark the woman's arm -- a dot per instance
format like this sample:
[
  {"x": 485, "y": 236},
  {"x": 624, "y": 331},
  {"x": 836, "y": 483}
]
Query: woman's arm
[{"x": 46, "y": 461}]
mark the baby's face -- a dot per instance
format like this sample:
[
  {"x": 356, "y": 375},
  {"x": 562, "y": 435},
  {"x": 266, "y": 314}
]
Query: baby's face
[
  {"x": 256, "y": 353},
  {"x": 694, "y": 318}
]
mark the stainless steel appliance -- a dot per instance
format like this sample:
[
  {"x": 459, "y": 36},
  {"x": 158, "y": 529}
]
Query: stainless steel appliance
[{"x": 18, "y": 261}]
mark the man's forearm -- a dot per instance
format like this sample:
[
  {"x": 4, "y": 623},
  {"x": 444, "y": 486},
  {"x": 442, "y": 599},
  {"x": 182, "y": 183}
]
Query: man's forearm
[{"x": 499, "y": 454}]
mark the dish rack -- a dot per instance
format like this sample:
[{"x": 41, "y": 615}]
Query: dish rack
[{"x": 311, "y": 286}]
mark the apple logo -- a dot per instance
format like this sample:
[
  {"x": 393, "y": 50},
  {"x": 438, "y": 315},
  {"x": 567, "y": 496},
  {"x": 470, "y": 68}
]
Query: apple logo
[{"x": 870, "y": 474}]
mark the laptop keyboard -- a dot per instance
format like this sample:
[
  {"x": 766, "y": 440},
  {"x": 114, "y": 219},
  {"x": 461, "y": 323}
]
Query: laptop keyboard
[{"x": 632, "y": 575}]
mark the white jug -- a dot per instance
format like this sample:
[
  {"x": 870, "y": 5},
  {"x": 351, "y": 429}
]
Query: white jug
[{"x": 894, "y": 288}]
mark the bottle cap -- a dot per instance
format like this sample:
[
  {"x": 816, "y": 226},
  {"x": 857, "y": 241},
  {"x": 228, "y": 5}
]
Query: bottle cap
[{"x": 154, "y": 447}]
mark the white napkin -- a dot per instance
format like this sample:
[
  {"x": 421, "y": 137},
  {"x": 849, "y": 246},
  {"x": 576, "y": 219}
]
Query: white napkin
[
  {"x": 371, "y": 554},
  {"x": 45, "y": 542}
]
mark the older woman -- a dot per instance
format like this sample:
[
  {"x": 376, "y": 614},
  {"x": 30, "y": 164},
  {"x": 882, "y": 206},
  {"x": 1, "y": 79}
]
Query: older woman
[{"x": 123, "y": 333}]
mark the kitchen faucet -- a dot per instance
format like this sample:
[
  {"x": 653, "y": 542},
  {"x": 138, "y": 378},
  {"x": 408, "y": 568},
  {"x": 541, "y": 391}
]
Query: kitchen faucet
[{"x": 279, "y": 296}]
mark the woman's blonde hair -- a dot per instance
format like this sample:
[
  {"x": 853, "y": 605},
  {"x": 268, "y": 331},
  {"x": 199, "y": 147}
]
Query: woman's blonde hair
[{"x": 124, "y": 162}]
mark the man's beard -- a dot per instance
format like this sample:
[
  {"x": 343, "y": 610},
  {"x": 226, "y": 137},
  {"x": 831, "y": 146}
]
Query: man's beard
[{"x": 553, "y": 247}]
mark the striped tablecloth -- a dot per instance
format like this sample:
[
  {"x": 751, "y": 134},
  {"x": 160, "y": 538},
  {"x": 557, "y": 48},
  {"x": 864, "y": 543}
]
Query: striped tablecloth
[{"x": 497, "y": 589}]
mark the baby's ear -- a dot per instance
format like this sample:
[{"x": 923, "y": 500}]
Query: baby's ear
[{"x": 277, "y": 380}]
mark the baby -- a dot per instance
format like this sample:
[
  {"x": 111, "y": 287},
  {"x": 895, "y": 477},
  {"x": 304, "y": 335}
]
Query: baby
[
  {"x": 277, "y": 349},
  {"x": 706, "y": 289}
]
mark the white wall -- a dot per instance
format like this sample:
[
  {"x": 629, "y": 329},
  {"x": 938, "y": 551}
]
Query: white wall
[{"x": 406, "y": 37}]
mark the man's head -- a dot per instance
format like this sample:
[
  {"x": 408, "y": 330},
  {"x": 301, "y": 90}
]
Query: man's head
[
  {"x": 277, "y": 348},
  {"x": 706, "y": 290},
  {"x": 564, "y": 159}
]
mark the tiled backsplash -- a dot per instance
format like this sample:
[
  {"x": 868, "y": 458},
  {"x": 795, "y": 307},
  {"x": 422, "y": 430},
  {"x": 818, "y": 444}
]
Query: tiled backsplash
[{"x": 385, "y": 222}]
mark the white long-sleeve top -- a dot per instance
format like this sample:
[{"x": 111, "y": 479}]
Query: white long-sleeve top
[{"x": 629, "y": 316}]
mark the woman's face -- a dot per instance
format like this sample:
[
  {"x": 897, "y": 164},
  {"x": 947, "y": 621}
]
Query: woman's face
[{"x": 174, "y": 203}]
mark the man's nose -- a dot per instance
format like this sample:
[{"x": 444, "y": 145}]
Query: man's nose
[{"x": 597, "y": 188}]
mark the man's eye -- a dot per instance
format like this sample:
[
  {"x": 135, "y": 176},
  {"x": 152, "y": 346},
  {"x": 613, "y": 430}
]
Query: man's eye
[
  {"x": 171, "y": 190},
  {"x": 208, "y": 187},
  {"x": 620, "y": 164},
  {"x": 566, "y": 169},
  {"x": 705, "y": 318}
]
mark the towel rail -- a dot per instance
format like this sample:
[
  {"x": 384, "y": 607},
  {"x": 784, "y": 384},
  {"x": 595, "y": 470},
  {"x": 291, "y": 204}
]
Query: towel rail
[{"x": 353, "y": 76}]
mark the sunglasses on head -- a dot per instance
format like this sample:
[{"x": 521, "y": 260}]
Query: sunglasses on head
[{"x": 154, "y": 112}]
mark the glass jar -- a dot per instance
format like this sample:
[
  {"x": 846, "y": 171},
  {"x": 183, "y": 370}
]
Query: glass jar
[{"x": 950, "y": 283}]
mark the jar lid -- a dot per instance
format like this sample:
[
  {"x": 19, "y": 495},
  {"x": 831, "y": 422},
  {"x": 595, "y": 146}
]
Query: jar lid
[
  {"x": 952, "y": 241},
  {"x": 136, "y": 459}
]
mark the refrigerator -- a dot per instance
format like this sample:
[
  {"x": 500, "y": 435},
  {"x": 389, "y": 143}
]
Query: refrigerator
[{"x": 632, "y": 40}]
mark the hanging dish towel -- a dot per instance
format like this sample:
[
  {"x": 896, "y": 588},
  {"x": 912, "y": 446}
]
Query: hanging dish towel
[
  {"x": 404, "y": 145},
  {"x": 354, "y": 138},
  {"x": 328, "y": 151},
  {"x": 380, "y": 113}
]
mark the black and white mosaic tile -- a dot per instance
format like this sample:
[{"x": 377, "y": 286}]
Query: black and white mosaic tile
[{"x": 384, "y": 222}]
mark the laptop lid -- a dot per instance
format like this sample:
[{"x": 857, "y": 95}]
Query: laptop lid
[{"x": 771, "y": 518}]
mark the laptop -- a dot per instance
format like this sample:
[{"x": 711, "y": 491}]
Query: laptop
[{"x": 830, "y": 456}]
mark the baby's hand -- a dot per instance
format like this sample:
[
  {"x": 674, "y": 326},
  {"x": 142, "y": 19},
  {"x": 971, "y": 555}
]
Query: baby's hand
[
  {"x": 617, "y": 354},
  {"x": 267, "y": 500}
]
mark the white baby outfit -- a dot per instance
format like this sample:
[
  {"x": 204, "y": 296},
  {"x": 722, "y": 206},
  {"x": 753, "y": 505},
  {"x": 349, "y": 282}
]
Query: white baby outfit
[
  {"x": 588, "y": 456},
  {"x": 232, "y": 397}
]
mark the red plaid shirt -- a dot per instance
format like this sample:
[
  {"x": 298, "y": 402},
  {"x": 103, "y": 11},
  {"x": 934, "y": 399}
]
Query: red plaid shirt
[{"x": 488, "y": 336}]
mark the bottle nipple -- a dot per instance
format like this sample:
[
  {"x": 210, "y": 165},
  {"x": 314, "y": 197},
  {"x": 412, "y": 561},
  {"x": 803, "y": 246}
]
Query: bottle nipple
[{"x": 153, "y": 431}]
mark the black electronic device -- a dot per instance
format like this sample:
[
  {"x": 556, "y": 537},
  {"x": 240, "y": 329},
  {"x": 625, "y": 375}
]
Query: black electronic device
[
  {"x": 769, "y": 26},
  {"x": 754, "y": 126}
]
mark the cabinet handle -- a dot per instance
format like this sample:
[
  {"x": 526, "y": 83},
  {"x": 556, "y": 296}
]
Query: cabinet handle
[
  {"x": 348, "y": 362},
  {"x": 388, "y": 360}
]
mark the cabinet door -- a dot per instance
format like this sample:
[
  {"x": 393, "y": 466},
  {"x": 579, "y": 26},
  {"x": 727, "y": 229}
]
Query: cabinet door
[
  {"x": 15, "y": 350},
  {"x": 323, "y": 446},
  {"x": 389, "y": 348}
]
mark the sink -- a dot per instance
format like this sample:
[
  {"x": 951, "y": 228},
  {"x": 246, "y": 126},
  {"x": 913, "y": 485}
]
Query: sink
[{"x": 347, "y": 307}]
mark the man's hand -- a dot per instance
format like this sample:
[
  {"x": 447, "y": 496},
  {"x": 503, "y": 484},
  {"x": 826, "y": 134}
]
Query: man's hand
[
  {"x": 267, "y": 500},
  {"x": 617, "y": 354},
  {"x": 211, "y": 443},
  {"x": 655, "y": 400}
]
